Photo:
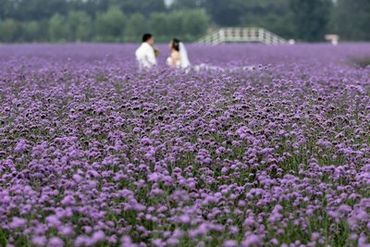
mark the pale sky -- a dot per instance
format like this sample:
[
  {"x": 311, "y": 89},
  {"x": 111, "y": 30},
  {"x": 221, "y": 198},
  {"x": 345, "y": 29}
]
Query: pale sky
[{"x": 168, "y": 2}]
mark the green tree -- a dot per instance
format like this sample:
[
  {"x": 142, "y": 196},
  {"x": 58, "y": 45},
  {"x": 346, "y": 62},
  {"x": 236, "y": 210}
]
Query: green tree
[
  {"x": 26, "y": 10},
  {"x": 136, "y": 26},
  {"x": 80, "y": 26},
  {"x": 158, "y": 23},
  {"x": 195, "y": 24},
  {"x": 273, "y": 15},
  {"x": 310, "y": 18},
  {"x": 144, "y": 7},
  {"x": 58, "y": 30},
  {"x": 351, "y": 19},
  {"x": 9, "y": 30},
  {"x": 91, "y": 7},
  {"x": 187, "y": 25},
  {"x": 187, "y": 4},
  {"x": 31, "y": 31},
  {"x": 110, "y": 25},
  {"x": 226, "y": 13},
  {"x": 175, "y": 24}
]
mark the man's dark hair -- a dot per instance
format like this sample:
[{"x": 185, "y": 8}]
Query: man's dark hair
[{"x": 147, "y": 37}]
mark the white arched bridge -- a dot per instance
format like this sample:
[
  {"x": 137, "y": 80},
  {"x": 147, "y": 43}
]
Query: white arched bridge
[{"x": 240, "y": 35}]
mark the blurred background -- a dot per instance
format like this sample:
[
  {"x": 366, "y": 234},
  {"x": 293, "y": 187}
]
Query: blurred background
[{"x": 126, "y": 20}]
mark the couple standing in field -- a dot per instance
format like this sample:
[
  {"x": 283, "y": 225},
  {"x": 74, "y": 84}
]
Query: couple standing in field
[{"x": 146, "y": 54}]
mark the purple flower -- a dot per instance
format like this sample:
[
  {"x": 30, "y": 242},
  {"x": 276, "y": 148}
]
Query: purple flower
[
  {"x": 18, "y": 223},
  {"x": 53, "y": 221},
  {"x": 68, "y": 200},
  {"x": 98, "y": 237},
  {"x": 55, "y": 242},
  {"x": 184, "y": 219},
  {"x": 260, "y": 142},
  {"x": 252, "y": 240},
  {"x": 21, "y": 146},
  {"x": 230, "y": 243},
  {"x": 39, "y": 241}
]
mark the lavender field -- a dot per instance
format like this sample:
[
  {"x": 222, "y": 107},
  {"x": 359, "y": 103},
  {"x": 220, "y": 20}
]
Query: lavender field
[{"x": 93, "y": 153}]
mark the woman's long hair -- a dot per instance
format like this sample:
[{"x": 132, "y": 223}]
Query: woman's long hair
[{"x": 176, "y": 44}]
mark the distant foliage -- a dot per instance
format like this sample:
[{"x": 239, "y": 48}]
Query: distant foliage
[
  {"x": 305, "y": 20},
  {"x": 186, "y": 24},
  {"x": 79, "y": 24},
  {"x": 136, "y": 26},
  {"x": 352, "y": 19},
  {"x": 107, "y": 24},
  {"x": 110, "y": 25},
  {"x": 311, "y": 18},
  {"x": 126, "y": 20},
  {"x": 58, "y": 31},
  {"x": 10, "y": 30}
]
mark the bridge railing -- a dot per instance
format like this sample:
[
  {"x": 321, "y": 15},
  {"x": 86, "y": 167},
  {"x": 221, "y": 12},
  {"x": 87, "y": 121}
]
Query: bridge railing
[{"x": 250, "y": 34}]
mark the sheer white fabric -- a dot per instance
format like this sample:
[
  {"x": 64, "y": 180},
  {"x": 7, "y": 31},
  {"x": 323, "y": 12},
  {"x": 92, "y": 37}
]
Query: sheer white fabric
[{"x": 184, "y": 58}]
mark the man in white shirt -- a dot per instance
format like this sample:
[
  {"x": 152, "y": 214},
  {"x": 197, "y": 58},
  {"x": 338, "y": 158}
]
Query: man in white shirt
[{"x": 145, "y": 55}]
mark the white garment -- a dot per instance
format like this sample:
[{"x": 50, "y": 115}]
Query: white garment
[
  {"x": 145, "y": 56},
  {"x": 169, "y": 62},
  {"x": 209, "y": 67},
  {"x": 184, "y": 62}
]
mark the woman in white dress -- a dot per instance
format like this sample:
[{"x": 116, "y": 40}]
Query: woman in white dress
[{"x": 178, "y": 58}]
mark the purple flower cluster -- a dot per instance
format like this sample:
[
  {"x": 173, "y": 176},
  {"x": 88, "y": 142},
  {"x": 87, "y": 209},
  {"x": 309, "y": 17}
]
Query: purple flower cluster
[{"x": 94, "y": 153}]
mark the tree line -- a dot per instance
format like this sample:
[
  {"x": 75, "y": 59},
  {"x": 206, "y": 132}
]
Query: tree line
[
  {"x": 111, "y": 25},
  {"x": 304, "y": 20},
  {"x": 126, "y": 20}
]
